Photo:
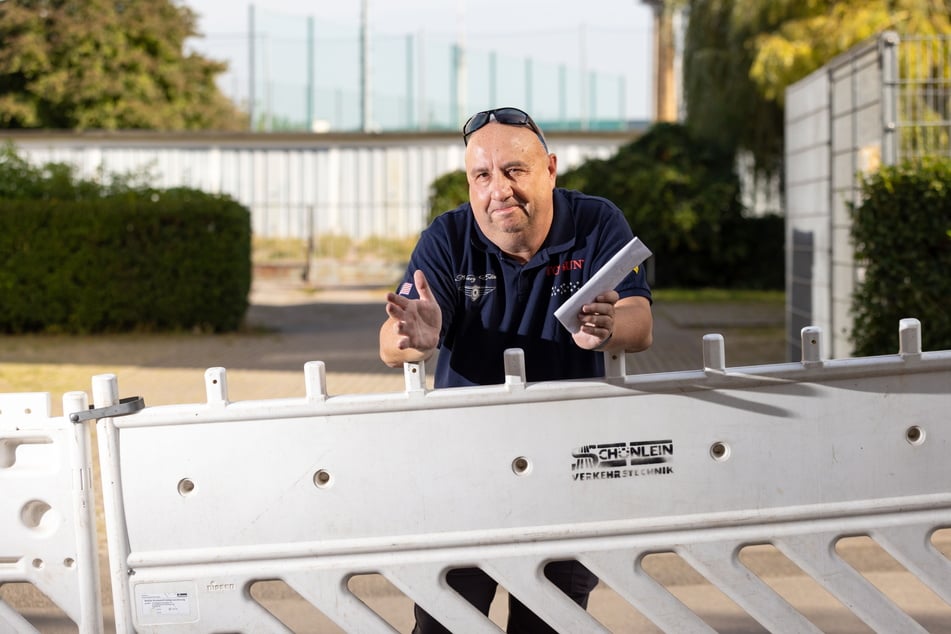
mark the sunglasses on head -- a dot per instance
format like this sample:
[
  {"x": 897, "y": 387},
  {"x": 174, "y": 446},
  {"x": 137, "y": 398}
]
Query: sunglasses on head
[{"x": 506, "y": 116}]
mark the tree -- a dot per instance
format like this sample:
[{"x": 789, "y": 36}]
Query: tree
[
  {"x": 106, "y": 64},
  {"x": 740, "y": 55}
]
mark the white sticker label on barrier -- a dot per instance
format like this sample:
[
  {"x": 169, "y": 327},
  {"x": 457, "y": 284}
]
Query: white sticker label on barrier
[{"x": 166, "y": 602}]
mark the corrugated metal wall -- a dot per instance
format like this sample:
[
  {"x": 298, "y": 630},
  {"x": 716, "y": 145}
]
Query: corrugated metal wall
[{"x": 352, "y": 185}]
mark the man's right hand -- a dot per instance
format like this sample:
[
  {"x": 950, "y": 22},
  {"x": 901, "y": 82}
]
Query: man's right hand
[{"x": 411, "y": 332}]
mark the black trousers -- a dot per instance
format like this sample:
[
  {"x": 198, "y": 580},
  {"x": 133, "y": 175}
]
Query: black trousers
[{"x": 479, "y": 589}]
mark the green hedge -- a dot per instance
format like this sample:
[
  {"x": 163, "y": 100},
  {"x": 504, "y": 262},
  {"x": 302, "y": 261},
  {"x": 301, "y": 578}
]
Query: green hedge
[
  {"x": 902, "y": 236},
  {"x": 159, "y": 260}
]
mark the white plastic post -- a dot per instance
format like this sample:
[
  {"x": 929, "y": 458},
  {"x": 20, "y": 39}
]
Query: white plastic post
[
  {"x": 105, "y": 393},
  {"x": 811, "y": 346},
  {"x": 315, "y": 381},
  {"x": 514, "y": 360},
  {"x": 414, "y": 375},
  {"x": 84, "y": 510},
  {"x": 714, "y": 355},
  {"x": 615, "y": 365},
  {"x": 216, "y": 386},
  {"x": 909, "y": 337}
]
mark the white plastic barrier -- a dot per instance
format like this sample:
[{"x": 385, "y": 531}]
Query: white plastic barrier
[
  {"x": 47, "y": 513},
  {"x": 203, "y": 500}
]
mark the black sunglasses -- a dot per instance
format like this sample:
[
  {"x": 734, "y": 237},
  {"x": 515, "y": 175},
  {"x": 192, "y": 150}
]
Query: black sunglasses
[{"x": 507, "y": 116}]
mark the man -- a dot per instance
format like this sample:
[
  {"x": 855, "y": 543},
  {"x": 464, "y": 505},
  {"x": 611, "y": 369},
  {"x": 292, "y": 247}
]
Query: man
[{"x": 490, "y": 274}]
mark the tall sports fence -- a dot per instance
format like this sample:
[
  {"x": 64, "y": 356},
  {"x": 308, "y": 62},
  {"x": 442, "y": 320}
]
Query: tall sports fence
[
  {"x": 299, "y": 72},
  {"x": 710, "y": 469}
]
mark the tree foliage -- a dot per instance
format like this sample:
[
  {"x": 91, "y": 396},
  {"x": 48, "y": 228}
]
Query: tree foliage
[
  {"x": 106, "y": 64},
  {"x": 681, "y": 196},
  {"x": 740, "y": 55}
]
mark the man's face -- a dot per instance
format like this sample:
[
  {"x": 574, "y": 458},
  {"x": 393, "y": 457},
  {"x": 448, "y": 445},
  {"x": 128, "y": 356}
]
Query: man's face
[{"x": 511, "y": 177}]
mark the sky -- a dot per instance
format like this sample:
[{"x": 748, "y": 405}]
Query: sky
[{"x": 611, "y": 38}]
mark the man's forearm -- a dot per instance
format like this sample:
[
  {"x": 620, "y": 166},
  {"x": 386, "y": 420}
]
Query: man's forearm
[{"x": 633, "y": 326}]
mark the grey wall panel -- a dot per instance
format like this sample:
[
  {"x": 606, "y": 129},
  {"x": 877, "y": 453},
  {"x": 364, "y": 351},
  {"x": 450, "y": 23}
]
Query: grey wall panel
[{"x": 817, "y": 197}]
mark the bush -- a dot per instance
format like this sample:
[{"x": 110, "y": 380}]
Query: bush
[
  {"x": 85, "y": 257},
  {"x": 448, "y": 192},
  {"x": 902, "y": 236}
]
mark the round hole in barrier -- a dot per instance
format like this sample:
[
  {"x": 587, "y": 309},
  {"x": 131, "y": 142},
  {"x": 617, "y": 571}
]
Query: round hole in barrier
[
  {"x": 720, "y": 451},
  {"x": 522, "y": 466},
  {"x": 323, "y": 479},
  {"x": 915, "y": 435},
  {"x": 186, "y": 486}
]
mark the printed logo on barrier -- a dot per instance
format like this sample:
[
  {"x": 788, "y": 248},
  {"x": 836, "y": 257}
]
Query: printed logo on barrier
[{"x": 608, "y": 461}]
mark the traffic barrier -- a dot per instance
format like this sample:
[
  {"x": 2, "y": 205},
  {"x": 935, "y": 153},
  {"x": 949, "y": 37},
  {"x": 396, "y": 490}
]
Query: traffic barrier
[
  {"x": 47, "y": 510},
  {"x": 204, "y": 500}
]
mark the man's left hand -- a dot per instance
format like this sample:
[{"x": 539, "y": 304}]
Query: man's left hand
[{"x": 597, "y": 322}]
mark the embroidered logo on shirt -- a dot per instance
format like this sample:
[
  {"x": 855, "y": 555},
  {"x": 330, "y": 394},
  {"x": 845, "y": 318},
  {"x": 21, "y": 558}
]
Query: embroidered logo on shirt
[
  {"x": 476, "y": 286},
  {"x": 567, "y": 265},
  {"x": 405, "y": 288}
]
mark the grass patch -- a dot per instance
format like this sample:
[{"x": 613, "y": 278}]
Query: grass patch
[
  {"x": 708, "y": 295},
  {"x": 278, "y": 249},
  {"x": 333, "y": 246}
]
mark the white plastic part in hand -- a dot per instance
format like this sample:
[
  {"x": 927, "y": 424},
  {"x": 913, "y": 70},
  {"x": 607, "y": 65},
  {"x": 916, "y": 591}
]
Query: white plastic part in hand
[{"x": 605, "y": 279}]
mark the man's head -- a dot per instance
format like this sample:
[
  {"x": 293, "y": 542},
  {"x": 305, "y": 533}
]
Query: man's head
[{"x": 511, "y": 177}]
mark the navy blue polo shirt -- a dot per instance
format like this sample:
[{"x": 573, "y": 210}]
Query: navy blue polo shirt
[{"x": 491, "y": 302}]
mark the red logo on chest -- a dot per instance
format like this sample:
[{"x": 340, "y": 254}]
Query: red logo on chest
[{"x": 567, "y": 265}]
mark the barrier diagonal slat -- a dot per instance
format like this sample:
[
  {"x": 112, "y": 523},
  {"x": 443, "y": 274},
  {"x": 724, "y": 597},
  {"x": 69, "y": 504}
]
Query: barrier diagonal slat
[
  {"x": 911, "y": 547},
  {"x": 719, "y": 563},
  {"x": 426, "y": 584},
  {"x": 329, "y": 594},
  {"x": 524, "y": 578},
  {"x": 13, "y": 622},
  {"x": 815, "y": 555},
  {"x": 617, "y": 569}
]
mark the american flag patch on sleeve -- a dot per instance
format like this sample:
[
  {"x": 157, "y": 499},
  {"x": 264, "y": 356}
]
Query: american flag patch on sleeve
[{"x": 405, "y": 288}]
